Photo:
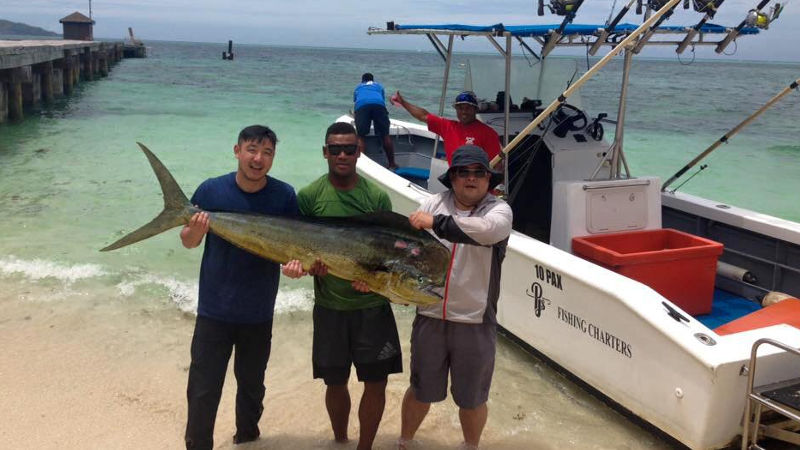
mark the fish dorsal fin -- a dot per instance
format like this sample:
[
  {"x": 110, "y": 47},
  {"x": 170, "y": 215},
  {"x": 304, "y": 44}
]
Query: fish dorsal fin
[{"x": 388, "y": 219}]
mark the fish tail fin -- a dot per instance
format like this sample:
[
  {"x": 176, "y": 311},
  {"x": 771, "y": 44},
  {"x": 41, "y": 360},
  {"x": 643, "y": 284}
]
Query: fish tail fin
[{"x": 177, "y": 208}]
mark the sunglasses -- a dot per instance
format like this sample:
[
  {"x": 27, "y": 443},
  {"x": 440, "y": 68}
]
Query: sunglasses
[
  {"x": 348, "y": 149},
  {"x": 466, "y": 173}
]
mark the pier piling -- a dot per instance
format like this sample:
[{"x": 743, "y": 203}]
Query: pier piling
[
  {"x": 32, "y": 90},
  {"x": 32, "y": 72},
  {"x": 3, "y": 102},
  {"x": 45, "y": 70},
  {"x": 15, "y": 101},
  {"x": 57, "y": 82}
]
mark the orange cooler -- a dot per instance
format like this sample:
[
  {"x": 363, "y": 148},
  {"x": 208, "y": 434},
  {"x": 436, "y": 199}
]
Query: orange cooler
[{"x": 677, "y": 265}]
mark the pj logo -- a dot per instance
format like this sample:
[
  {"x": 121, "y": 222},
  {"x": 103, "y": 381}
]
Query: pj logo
[{"x": 539, "y": 302}]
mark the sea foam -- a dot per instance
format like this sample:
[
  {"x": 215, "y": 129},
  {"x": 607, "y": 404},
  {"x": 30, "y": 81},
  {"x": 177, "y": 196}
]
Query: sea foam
[
  {"x": 183, "y": 294},
  {"x": 38, "y": 269}
]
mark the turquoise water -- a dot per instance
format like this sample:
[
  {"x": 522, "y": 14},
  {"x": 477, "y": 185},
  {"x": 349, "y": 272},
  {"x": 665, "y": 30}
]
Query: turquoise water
[{"x": 72, "y": 179}]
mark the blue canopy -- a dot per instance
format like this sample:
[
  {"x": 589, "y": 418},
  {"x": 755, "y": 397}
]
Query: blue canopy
[{"x": 571, "y": 29}]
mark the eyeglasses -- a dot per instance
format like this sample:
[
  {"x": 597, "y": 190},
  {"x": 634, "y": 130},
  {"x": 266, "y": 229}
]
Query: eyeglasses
[
  {"x": 466, "y": 173},
  {"x": 348, "y": 149}
]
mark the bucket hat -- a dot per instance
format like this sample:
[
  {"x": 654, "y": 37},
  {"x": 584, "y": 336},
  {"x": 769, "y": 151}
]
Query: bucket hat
[{"x": 467, "y": 155}]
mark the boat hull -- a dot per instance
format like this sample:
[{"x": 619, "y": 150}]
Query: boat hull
[{"x": 618, "y": 337}]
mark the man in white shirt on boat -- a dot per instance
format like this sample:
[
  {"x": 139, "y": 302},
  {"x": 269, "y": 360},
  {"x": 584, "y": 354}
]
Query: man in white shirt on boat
[
  {"x": 467, "y": 130},
  {"x": 458, "y": 335}
]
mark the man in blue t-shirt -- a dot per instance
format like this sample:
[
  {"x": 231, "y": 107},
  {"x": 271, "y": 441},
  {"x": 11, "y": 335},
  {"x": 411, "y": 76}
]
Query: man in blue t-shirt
[
  {"x": 370, "y": 107},
  {"x": 237, "y": 292}
]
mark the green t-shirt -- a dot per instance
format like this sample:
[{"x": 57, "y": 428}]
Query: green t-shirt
[{"x": 321, "y": 199}]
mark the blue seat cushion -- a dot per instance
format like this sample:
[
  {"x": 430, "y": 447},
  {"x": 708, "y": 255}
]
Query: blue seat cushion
[{"x": 413, "y": 172}]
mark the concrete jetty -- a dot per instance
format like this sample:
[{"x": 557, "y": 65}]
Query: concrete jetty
[{"x": 35, "y": 71}]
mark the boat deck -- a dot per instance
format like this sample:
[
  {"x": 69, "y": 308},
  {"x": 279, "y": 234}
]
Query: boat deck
[{"x": 727, "y": 307}]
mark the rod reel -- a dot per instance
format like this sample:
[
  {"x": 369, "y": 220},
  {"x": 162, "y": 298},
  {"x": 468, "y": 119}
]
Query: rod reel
[
  {"x": 710, "y": 9},
  {"x": 566, "y": 8},
  {"x": 602, "y": 37},
  {"x": 760, "y": 19},
  {"x": 706, "y": 6},
  {"x": 558, "y": 7},
  {"x": 754, "y": 18},
  {"x": 655, "y": 5}
]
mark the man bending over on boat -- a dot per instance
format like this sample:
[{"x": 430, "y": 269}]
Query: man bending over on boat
[
  {"x": 459, "y": 334},
  {"x": 237, "y": 292},
  {"x": 467, "y": 130},
  {"x": 370, "y": 107},
  {"x": 352, "y": 326}
]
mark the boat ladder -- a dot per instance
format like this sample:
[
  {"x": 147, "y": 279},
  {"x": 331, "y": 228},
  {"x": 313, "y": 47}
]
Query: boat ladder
[{"x": 782, "y": 398}]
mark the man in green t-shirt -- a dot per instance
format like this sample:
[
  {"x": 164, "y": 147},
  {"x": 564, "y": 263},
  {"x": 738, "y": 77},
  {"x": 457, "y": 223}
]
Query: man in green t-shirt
[{"x": 352, "y": 325}]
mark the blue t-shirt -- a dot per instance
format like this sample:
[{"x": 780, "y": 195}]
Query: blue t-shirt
[
  {"x": 369, "y": 93},
  {"x": 235, "y": 285}
]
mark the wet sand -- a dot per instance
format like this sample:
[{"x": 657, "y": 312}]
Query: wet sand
[{"x": 98, "y": 370}]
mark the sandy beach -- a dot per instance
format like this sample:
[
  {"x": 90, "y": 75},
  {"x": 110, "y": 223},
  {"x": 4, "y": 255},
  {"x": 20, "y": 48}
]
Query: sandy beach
[{"x": 101, "y": 370}]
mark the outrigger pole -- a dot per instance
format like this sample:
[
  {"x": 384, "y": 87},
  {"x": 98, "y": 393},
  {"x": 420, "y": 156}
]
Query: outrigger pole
[
  {"x": 729, "y": 134},
  {"x": 582, "y": 80}
]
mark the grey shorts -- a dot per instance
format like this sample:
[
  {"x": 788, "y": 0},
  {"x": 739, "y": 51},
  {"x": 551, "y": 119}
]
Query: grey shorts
[{"x": 465, "y": 351}]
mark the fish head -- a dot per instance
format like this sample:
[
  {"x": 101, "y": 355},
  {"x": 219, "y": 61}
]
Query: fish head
[
  {"x": 404, "y": 287},
  {"x": 419, "y": 270}
]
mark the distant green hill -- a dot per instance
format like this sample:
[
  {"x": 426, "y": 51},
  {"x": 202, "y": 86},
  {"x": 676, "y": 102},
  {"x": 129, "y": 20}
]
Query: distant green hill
[{"x": 20, "y": 29}]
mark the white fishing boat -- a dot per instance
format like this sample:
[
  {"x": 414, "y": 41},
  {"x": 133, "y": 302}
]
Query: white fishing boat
[{"x": 610, "y": 276}]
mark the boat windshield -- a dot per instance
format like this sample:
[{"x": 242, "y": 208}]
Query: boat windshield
[{"x": 543, "y": 81}]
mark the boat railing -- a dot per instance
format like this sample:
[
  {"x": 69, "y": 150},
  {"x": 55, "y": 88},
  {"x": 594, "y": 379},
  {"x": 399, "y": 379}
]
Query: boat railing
[
  {"x": 779, "y": 397},
  {"x": 408, "y": 133}
]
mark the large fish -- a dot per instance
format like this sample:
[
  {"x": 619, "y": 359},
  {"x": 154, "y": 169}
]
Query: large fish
[{"x": 395, "y": 260}]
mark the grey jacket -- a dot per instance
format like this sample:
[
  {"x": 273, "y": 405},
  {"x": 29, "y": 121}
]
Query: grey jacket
[{"x": 478, "y": 245}]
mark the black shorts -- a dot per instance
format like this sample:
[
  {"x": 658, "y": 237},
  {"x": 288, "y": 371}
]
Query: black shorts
[
  {"x": 376, "y": 114},
  {"x": 365, "y": 338}
]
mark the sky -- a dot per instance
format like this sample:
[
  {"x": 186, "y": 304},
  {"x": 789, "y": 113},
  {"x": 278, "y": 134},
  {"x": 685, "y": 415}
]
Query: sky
[{"x": 344, "y": 23}]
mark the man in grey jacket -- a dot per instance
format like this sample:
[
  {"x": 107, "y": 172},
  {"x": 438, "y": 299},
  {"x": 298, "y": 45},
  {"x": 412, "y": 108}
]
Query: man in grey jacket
[{"x": 458, "y": 335}]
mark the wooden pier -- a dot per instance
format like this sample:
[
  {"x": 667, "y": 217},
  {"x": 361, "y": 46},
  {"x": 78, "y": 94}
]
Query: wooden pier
[{"x": 37, "y": 71}]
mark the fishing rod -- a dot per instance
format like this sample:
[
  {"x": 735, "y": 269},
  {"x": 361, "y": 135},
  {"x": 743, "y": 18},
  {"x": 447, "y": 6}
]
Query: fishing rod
[
  {"x": 702, "y": 168},
  {"x": 588, "y": 75},
  {"x": 735, "y": 32},
  {"x": 729, "y": 134},
  {"x": 601, "y": 39},
  {"x": 567, "y": 8},
  {"x": 710, "y": 8},
  {"x": 659, "y": 5}
]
